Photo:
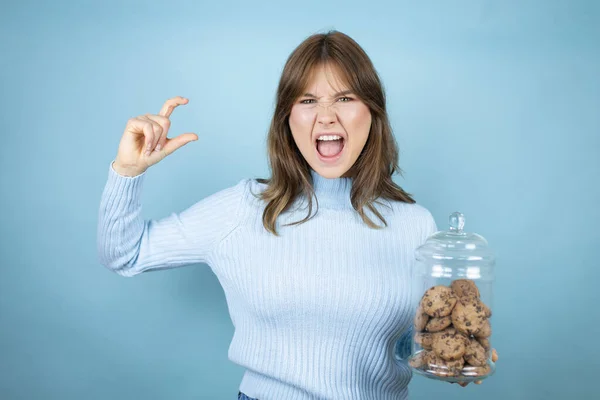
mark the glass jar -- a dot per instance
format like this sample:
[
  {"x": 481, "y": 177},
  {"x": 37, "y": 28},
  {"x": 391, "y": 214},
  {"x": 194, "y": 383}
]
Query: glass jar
[{"x": 453, "y": 282}]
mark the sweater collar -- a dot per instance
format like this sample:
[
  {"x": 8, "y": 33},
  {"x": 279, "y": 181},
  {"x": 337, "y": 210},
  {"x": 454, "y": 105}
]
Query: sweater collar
[{"x": 332, "y": 192}]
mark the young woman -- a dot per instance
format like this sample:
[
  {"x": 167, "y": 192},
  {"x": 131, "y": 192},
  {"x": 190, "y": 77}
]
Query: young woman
[{"x": 315, "y": 262}]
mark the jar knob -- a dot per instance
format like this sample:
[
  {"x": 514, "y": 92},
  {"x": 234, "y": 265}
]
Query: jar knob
[{"x": 457, "y": 222}]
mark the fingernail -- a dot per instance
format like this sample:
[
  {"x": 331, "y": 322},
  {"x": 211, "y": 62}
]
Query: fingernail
[
  {"x": 158, "y": 147},
  {"x": 148, "y": 153}
]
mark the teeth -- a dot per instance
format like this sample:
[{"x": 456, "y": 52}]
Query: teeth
[{"x": 329, "y": 137}]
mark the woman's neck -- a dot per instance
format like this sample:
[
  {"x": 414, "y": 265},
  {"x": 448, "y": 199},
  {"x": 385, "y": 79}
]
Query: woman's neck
[{"x": 332, "y": 192}]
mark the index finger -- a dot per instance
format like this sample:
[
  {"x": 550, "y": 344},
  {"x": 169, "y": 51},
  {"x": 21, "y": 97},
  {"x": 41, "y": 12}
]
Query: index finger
[{"x": 170, "y": 105}]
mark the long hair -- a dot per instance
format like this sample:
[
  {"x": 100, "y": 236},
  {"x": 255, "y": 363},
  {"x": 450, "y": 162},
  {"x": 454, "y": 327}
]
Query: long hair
[{"x": 371, "y": 173}]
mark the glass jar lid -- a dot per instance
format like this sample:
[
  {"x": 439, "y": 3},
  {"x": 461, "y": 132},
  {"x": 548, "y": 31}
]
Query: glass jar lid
[{"x": 456, "y": 244}]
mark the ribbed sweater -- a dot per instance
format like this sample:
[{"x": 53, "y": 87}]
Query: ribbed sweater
[{"x": 321, "y": 312}]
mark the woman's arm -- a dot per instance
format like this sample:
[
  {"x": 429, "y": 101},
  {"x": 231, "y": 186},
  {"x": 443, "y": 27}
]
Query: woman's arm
[{"x": 129, "y": 245}]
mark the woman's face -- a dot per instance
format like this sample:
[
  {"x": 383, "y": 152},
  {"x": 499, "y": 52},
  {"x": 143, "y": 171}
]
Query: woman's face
[{"x": 330, "y": 125}]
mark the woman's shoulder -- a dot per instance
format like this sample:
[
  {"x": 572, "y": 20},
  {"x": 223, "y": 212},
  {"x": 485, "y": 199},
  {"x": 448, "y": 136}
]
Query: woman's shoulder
[
  {"x": 415, "y": 214},
  {"x": 416, "y": 209},
  {"x": 247, "y": 190},
  {"x": 238, "y": 189},
  {"x": 405, "y": 209},
  {"x": 418, "y": 216},
  {"x": 244, "y": 186}
]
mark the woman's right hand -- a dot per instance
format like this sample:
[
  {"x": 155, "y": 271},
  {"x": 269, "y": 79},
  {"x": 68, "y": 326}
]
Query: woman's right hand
[{"x": 145, "y": 142}]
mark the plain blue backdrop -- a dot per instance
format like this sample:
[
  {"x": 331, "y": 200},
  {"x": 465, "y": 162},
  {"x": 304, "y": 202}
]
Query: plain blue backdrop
[{"x": 495, "y": 106}]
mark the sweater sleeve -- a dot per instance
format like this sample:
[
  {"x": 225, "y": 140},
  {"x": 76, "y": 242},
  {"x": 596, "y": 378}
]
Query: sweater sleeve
[
  {"x": 129, "y": 245},
  {"x": 430, "y": 226}
]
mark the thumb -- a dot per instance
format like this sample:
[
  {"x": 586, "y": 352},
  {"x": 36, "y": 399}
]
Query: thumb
[{"x": 179, "y": 141}]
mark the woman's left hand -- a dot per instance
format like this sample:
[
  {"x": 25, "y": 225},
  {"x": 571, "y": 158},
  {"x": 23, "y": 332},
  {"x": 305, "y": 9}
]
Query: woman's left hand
[{"x": 494, "y": 359}]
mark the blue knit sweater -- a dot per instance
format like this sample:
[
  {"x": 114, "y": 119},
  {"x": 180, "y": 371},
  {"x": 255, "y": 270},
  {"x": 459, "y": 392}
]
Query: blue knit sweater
[{"x": 321, "y": 312}]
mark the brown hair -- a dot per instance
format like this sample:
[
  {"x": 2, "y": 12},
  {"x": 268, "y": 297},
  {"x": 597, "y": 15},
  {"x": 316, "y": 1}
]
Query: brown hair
[{"x": 371, "y": 173}]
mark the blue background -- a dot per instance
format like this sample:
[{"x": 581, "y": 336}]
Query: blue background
[{"x": 495, "y": 105}]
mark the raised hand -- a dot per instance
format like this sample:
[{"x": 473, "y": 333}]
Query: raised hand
[{"x": 145, "y": 142}]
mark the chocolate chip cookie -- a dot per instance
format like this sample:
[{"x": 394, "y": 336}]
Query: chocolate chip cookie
[
  {"x": 441, "y": 367},
  {"x": 438, "y": 324},
  {"x": 468, "y": 316},
  {"x": 475, "y": 354},
  {"x": 421, "y": 319},
  {"x": 425, "y": 340},
  {"x": 420, "y": 359},
  {"x": 449, "y": 346},
  {"x": 438, "y": 301},
  {"x": 464, "y": 287},
  {"x": 484, "y": 342},
  {"x": 485, "y": 331}
]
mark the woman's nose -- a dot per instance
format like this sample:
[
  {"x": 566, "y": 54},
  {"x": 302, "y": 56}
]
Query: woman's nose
[{"x": 326, "y": 116}]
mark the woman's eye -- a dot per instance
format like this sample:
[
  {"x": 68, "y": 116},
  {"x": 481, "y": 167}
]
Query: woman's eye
[
  {"x": 347, "y": 99},
  {"x": 307, "y": 101}
]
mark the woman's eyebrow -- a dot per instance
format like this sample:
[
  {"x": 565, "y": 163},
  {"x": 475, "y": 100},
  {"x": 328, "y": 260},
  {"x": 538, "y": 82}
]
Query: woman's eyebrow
[{"x": 342, "y": 93}]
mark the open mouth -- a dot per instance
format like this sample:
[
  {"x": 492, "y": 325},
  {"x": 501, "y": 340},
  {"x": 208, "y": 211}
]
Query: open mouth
[{"x": 330, "y": 146}]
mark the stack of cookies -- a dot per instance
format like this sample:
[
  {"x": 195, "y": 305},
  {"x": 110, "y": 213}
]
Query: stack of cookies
[{"x": 453, "y": 328}]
